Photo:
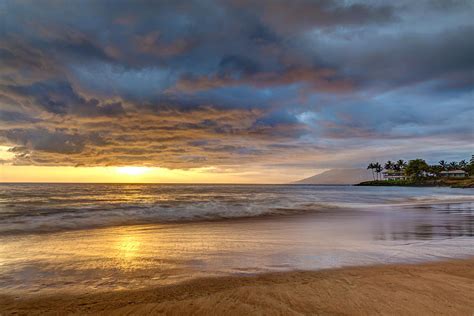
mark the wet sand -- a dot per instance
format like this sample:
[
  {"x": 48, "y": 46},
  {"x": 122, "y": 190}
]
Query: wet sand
[{"x": 429, "y": 288}]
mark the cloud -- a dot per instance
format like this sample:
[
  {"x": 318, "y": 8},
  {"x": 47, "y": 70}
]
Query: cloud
[
  {"x": 45, "y": 141},
  {"x": 58, "y": 97},
  {"x": 414, "y": 58},
  {"x": 301, "y": 15},
  {"x": 15, "y": 117},
  {"x": 152, "y": 44},
  {"x": 325, "y": 80},
  {"x": 228, "y": 84}
]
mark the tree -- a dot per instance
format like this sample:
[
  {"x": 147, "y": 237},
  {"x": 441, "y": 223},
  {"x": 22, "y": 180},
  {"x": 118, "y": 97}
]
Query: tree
[
  {"x": 371, "y": 166},
  {"x": 400, "y": 165},
  {"x": 436, "y": 170},
  {"x": 470, "y": 169},
  {"x": 468, "y": 166},
  {"x": 416, "y": 168},
  {"x": 453, "y": 165},
  {"x": 378, "y": 169},
  {"x": 389, "y": 165},
  {"x": 443, "y": 164},
  {"x": 462, "y": 164}
]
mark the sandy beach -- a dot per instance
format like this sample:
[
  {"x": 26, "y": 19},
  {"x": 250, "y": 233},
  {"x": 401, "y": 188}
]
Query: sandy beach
[
  {"x": 236, "y": 157},
  {"x": 445, "y": 288},
  {"x": 237, "y": 250}
]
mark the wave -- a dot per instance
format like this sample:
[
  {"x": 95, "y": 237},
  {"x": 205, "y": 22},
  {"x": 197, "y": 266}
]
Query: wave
[
  {"x": 90, "y": 217},
  {"x": 87, "y": 218},
  {"x": 31, "y": 209}
]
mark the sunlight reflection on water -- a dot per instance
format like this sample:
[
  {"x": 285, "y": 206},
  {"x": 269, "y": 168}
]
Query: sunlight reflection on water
[{"x": 135, "y": 256}]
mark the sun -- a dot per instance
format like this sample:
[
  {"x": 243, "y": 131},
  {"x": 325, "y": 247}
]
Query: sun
[{"x": 133, "y": 171}]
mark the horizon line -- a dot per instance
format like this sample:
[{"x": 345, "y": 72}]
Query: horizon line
[{"x": 169, "y": 183}]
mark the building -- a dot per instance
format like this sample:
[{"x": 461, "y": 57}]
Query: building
[
  {"x": 454, "y": 174},
  {"x": 393, "y": 175}
]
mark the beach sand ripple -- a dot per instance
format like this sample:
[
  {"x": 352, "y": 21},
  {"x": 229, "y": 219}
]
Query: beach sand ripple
[{"x": 441, "y": 288}]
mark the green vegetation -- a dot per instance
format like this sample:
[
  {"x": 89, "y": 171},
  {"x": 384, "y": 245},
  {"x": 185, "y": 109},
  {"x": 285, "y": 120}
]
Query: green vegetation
[
  {"x": 440, "y": 182},
  {"x": 417, "y": 169},
  {"x": 388, "y": 183},
  {"x": 418, "y": 172}
]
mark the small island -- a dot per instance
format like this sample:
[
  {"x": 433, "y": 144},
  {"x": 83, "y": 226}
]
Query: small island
[{"x": 418, "y": 172}]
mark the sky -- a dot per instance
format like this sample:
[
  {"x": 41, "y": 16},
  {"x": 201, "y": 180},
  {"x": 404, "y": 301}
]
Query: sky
[{"x": 262, "y": 91}]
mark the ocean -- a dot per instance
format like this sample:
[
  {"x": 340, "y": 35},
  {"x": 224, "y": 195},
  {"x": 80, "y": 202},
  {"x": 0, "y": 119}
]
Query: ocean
[{"x": 99, "y": 237}]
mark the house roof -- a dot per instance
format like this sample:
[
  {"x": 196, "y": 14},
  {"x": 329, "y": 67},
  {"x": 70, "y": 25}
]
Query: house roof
[
  {"x": 454, "y": 171},
  {"x": 392, "y": 172}
]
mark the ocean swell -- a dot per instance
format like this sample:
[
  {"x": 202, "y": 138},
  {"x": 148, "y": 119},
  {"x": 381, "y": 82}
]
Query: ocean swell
[
  {"x": 93, "y": 217},
  {"x": 29, "y": 208}
]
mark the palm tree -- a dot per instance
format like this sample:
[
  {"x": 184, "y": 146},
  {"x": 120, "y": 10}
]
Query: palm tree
[
  {"x": 443, "y": 164},
  {"x": 396, "y": 167},
  {"x": 371, "y": 166},
  {"x": 378, "y": 169},
  {"x": 401, "y": 164},
  {"x": 453, "y": 165},
  {"x": 462, "y": 164},
  {"x": 389, "y": 165}
]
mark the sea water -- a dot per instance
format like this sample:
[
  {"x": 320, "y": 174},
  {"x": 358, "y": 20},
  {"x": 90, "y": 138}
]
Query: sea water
[{"x": 100, "y": 237}]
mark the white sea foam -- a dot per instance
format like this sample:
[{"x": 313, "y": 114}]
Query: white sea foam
[
  {"x": 33, "y": 208},
  {"x": 340, "y": 226}
]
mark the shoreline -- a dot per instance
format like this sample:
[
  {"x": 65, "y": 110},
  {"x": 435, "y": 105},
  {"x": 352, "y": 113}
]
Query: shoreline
[
  {"x": 464, "y": 183},
  {"x": 442, "y": 287}
]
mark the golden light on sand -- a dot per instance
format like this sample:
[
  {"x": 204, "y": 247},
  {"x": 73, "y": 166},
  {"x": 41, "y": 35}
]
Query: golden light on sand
[
  {"x": 133, "y": 171},
  {"x": 128, "y": 246}
]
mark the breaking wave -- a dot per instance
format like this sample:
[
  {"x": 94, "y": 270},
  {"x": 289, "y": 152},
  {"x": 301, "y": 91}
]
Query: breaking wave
[{"x": 31, "y": 208}]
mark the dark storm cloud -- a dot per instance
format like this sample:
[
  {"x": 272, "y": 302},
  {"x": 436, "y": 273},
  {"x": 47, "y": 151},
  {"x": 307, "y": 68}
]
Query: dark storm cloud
[
  {"x": 301, "y": 15},
  {"x": 186, "y": 84},
  {"x": 447, "y": 56},
  {"x": 9, "y": 116},
  {"x": 234, "y": 65},
  {"x": 44, "y": 140},
  {"x": 58, "y": 97}
]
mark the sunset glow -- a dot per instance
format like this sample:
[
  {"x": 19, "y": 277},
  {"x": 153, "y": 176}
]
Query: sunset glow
[
  {"x": 209, "y": 157},
  {"x": 10, "y": 173},
  {"x": 133, "y": 171},
  {"x": 262, "y": 92}
]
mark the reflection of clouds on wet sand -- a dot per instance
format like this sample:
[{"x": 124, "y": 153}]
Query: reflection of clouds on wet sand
[
  {"x": 428, "y": 223},
  {"x": 106, "y": 237},
  {"x": 146, "y": 255}
]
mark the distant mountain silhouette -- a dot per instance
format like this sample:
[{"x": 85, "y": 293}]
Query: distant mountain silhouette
[{"x": 338, "y": 176}]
